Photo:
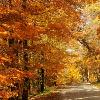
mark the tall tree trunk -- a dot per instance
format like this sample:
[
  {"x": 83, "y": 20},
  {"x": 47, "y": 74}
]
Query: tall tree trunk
[
  {"x": 11, "y": 43},
  {"x": 41, "y": 73},
  {"x": 26, "y": 84},
  {"x": 25, "y": 89}
]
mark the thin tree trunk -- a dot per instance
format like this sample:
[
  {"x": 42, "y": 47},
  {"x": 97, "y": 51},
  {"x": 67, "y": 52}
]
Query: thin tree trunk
[
  {"x": 86, "y": 75},
  {"x": 25, "y": 89},
  {"x": 41, "y": 79},
  {"x": 41, "y": 73}
]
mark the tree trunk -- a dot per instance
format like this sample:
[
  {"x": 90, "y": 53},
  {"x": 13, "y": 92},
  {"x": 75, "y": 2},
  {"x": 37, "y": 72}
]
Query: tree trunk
[
  {"x": 86, "y": 75},
  {"x": 11, "y": 42},
  {"x": 26, "y": 83},
  {"x": 25, "y": 89},
  {"x": 41, "y": 79}
]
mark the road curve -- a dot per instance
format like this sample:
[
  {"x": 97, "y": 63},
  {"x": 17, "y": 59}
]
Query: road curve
[{"x": 84, "y": 91}]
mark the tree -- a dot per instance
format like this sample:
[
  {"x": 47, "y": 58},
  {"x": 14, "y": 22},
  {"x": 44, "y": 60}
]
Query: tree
[
  {"x": 34, "y": 35},
  {"x": 89, "y": 39}
]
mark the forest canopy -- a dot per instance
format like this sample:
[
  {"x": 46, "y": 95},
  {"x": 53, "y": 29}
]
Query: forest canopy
[{"x": 47, "y": 43}]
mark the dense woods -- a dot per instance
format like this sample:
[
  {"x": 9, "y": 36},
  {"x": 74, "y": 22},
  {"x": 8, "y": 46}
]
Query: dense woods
[{"x": 46, "y": 43}]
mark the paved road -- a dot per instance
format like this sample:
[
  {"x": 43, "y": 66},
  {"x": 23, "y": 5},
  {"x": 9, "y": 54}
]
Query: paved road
[{"x": 82, "y": 92}]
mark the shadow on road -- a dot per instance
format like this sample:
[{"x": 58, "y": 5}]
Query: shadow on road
[{"x": 84, "y": 91}]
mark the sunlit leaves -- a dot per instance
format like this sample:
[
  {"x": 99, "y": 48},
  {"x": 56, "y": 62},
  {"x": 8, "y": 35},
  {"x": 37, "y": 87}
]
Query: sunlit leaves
[{"x": 69, "y": 75}]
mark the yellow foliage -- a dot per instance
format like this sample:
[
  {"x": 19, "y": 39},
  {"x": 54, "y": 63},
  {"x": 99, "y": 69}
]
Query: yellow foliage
[
  {"x": 92, "y": 78},
  {"x": 69, "y": 75},
  {"x": 73, "y": 75}
]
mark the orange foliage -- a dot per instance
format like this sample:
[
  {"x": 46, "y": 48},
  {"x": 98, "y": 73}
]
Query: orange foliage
[
  {"x": 59, "y": 30},
  {"x": 27, "y": 31},
  {"x": 17, "y": 26},
  {"x": 2, "y": 59},
  {"x": 6, "y": 95},
  {"x": 13, "y": 74}
]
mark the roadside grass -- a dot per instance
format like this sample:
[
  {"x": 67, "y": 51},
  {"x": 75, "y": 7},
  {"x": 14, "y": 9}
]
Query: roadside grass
[
  {"x": 97, "y": 84},
  {"x": 47, "y": 91}
]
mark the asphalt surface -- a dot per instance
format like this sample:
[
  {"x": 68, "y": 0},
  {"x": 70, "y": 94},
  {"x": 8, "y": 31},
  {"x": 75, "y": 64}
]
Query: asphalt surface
[{"x": 84, "y": 91}]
